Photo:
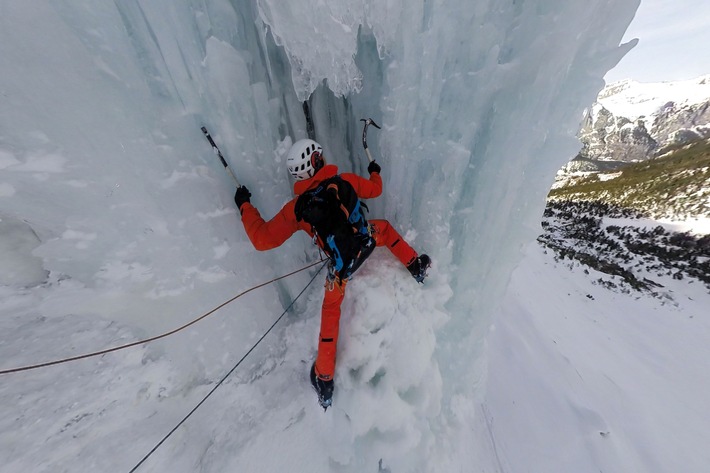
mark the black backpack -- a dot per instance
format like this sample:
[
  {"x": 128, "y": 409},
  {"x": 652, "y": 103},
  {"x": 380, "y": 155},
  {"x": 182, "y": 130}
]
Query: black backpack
[{"x": 333, "y": 210}]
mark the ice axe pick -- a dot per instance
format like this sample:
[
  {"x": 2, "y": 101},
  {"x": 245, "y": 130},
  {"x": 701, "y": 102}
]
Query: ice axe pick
[{"x": 368, "y": 122}]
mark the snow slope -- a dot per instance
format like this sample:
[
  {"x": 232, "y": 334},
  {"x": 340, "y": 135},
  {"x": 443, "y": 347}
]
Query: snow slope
[{"x": 624, "y": 382}]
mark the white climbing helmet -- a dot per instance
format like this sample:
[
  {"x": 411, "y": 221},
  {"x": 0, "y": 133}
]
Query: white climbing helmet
[{"x": 304, "y": 158}]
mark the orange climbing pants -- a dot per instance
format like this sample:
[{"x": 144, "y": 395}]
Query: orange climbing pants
[{"x": 385, "y": 235}]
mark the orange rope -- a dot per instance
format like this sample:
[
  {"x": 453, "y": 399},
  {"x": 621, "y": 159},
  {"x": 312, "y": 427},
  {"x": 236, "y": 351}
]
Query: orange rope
[{"x": 157, "y": 337}]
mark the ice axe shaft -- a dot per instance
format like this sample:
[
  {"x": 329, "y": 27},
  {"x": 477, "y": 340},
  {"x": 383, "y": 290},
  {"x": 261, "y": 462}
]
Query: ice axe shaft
[
  {"x": 368, "y": 122},
  {"x": 219, "y": 153}
]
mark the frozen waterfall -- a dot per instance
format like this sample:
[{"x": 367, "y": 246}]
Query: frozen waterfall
[{"x": 118, "y": 221}]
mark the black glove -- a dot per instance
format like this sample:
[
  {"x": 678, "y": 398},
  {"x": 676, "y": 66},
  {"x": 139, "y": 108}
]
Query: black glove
[
  {"x": 373, "y": 167},
  {"x": 242, "y": 196}
]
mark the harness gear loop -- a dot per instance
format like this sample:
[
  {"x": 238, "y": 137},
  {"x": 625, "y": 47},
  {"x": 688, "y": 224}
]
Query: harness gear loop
[{"x": 332, "y": 279}]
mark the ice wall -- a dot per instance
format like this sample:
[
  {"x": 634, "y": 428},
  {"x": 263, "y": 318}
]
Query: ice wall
[
  {"x": 102, "y": 160},
  {"x": 480, "y": 103}
]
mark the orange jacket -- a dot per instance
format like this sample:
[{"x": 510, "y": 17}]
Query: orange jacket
[{"x": 267, "y": 235}]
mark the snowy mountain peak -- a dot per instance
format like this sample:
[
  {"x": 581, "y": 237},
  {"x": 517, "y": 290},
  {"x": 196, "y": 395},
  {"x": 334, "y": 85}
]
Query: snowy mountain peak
[
  {"x": 632, "y": 99},
  {"x": 616, "y": 88},
  {"x": 634, "y": 121}
]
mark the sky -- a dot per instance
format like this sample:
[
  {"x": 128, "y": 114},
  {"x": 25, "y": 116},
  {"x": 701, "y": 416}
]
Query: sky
[{"x": 673, "y": 42}]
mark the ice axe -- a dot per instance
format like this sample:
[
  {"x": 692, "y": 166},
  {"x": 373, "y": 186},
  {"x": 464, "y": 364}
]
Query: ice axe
[
  {"x": 368, "y": 122},
  {"x": 219, "y": 153}
]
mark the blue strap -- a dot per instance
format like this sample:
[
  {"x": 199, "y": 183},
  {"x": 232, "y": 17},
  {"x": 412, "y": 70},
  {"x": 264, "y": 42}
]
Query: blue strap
[
  {"x": 338, "y": 259},
  {"x": 355, "y": 215}
]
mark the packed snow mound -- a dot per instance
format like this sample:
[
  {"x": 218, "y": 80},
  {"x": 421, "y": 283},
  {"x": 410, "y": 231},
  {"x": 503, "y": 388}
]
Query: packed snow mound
[{"x": 20, "y": 266}]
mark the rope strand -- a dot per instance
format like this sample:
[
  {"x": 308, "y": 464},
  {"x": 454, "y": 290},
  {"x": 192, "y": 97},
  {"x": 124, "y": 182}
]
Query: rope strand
[
  {"x": 219, "y": 383},
  {"x": 157, "y": 337}
]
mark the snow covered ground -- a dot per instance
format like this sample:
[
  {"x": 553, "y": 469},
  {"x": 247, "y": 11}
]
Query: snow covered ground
[
  {"x": 579, "y": 379},
  {"x": 105, "y": 414},
  {"x": 625, "y": 379},
  {"x": 696, "y": 226}
]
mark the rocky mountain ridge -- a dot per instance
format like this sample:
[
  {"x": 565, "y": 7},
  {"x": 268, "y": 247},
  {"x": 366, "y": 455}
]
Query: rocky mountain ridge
[{"x": 632, "y": 121}]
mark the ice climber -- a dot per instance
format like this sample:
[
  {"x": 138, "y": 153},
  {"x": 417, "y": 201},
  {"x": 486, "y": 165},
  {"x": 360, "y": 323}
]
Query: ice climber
[{"x": 327, "y": 206}]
